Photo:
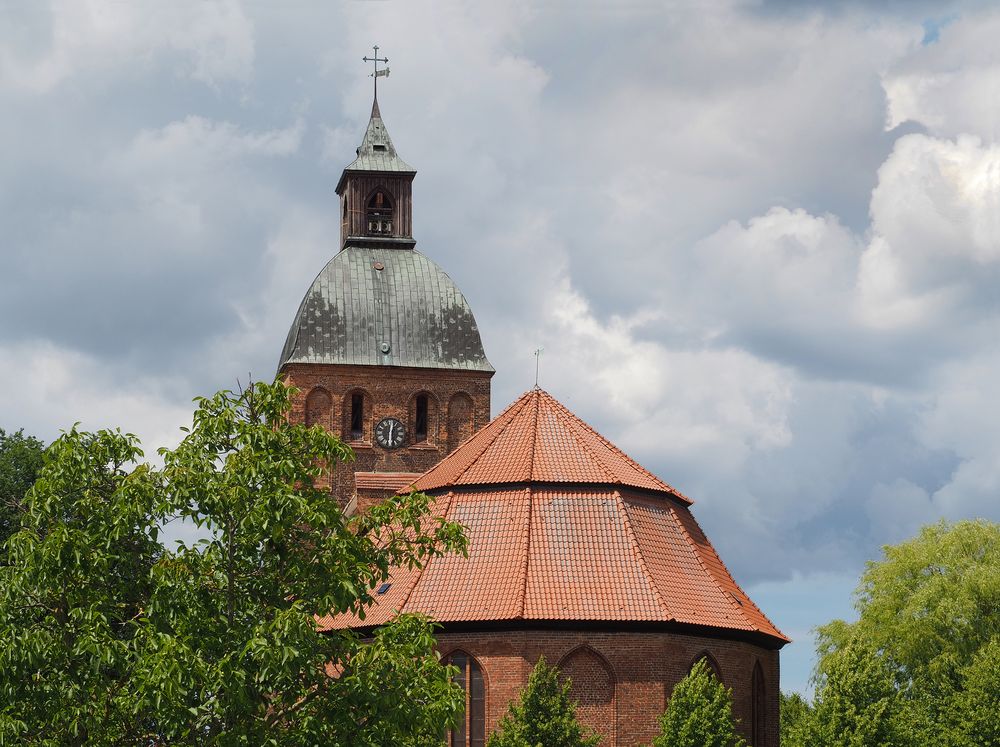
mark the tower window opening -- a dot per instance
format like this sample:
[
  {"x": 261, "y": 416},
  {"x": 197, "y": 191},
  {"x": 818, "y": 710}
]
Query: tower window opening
[
  {"x": 357, "y": 416},
  {"x": 379, "y": 214},
  {"x": 379, "y": 147},
  {"x": 420, "y": 429}
]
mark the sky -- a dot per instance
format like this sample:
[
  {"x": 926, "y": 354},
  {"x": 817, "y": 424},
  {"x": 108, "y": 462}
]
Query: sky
[{"x": 759, "y": 242}]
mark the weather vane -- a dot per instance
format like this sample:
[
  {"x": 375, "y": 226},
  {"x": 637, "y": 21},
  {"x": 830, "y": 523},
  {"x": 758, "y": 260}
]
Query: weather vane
[
  {"x": 378, "y": 73},
  {"x": 538, "y": 357}
]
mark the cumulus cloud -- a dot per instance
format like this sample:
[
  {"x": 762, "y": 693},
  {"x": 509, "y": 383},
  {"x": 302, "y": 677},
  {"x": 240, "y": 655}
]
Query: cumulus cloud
[
  {"x": 48, "y": 44},
  {"x": 758, "y": 242}
]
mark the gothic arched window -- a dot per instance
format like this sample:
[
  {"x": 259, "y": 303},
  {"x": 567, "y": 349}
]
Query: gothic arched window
[
  {"x": 356, "y": 404},
  {"x": 758, "y": 707},
  {"x": 318, "y": 405},
  {"x": 379, "y": 213},
  {"x": 421, "y": 418},
  {"x": 471, "y": 729},
  {"x": 460, "y": 419},
  {"x": 592, "y": 686},
  {"x": 713, "y": 665}
]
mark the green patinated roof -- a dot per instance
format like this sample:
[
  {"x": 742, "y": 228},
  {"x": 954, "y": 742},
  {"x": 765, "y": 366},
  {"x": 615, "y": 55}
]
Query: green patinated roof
[
  {"x": 411, "y": 305},
  {"x": 376, "y": 152}
]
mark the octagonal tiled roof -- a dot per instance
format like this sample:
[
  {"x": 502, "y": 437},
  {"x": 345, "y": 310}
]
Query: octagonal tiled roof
[{"x": 563, "y": 526}]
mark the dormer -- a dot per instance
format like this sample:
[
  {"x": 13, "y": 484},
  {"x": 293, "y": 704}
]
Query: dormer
[{"x": 376, "y": 193}]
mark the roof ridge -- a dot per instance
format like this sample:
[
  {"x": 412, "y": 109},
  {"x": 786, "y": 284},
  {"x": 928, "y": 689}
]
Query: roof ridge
[
  {"x": 499, "y": 430},
  {"x": 632, "y": 462},
  {"x": 523, "y": 602},
  {"x": 420, "y": 573},
  {"x": 534, "y": 437},
  {"x": 701, "y": 562},
  {"x": 570, "y": 417},
  {"x": 640, "y": 558},
  {"x": 739, "y": 588}
]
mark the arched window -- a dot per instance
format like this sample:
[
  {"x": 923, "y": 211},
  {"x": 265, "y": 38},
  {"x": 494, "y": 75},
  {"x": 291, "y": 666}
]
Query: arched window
[
  {"x": 354, "y": 416},
  {"x": 471, "y": 729},
  {"x": 379, "y": 213},
  {"x": 713, "y": 665},
  {"x": 318, "y": 404},
  {"x": 592, "y": 686},
  {"x": 460, "y": 419},
  {"x": 421, "y": 418},
  {"x": 758, "y": 707}
]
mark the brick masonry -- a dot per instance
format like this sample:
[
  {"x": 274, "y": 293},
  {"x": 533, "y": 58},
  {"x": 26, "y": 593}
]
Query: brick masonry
[
  {"x": 458, "y": 405},
  {"x": 621, "y": 679}
]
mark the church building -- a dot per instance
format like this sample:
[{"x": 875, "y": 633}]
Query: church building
[{"x": 576, "y": 552}]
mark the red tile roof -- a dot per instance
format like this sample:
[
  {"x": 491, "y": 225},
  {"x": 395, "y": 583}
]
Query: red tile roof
[
  {"x": 536, "y": 439},
  {"x": 562, "y": 526},
  {"x": 394, "y": 481}
]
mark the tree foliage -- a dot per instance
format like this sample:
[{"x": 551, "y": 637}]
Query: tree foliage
[
  {"x": 699, "y": 713},
  {"x": 20, "y": 462},
  {"x": 108, "y": 638},
  {"x": 796, "y": 717},
  {"x": 544, "y": 716},
  {"x": 920, "y": 664}
]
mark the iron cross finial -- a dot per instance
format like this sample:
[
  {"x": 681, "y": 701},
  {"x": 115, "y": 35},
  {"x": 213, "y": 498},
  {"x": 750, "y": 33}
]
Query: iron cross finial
[
  {"x": 538, "y": 356},
  {"x": 378, "y": 73}
]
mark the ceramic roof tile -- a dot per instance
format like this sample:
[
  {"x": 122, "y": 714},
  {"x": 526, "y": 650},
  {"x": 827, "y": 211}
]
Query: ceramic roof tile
[
  {"x": 486, "y": 585},
  {"x": 690, "y": 592},
  {"x": 384, "y": 480},
  {"x": 538, "y": 439},
  {"x": 581, "y": 564},
  {"x": 713, "y": 563},
  {"x": 611, "y": 543}
]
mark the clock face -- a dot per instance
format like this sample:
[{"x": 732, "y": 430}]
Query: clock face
[{"x": 389, "y": 433}]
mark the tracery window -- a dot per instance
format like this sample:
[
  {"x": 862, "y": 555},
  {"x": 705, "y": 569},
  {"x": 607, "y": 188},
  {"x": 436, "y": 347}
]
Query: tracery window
[
  {"x": 471, "y": 730},
  {"x": 379, "y": 214}
]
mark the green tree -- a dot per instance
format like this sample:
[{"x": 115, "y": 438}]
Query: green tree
[
  {"x": 20, "y": 462},
  {"x": 108, "y": 638},
  {"x": 545, "y": 716},
  {"x": 856, "y": 702},
  {"x": 976, "y": 711},
  {"x": 699, "y": 713},
  {"x": 796, "y": 717},
  {"x": 909, "y": 666}
]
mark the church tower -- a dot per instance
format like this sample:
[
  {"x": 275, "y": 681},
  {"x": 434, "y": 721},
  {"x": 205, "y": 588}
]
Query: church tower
[{"x": 384, "y": 348}]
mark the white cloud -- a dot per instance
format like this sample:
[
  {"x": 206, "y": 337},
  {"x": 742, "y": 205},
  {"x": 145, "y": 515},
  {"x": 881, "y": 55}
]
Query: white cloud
[
  {"x": 46, "y": 389},
  {"x": 100, "y": 38},
  {"x": 950, "y": 86}
]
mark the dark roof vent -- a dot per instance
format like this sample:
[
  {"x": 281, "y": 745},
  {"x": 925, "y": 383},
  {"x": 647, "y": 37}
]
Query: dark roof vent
[{"x": 383, "y": 588}]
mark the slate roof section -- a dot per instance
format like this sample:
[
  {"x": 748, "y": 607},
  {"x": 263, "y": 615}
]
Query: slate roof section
[
  {"x": 560, "y": 548},
  {"x": 352, "y": 310}
]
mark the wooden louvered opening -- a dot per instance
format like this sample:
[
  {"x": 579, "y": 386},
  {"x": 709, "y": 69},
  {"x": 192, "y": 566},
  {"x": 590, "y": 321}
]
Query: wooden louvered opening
[{"x": 379, "y": 214}]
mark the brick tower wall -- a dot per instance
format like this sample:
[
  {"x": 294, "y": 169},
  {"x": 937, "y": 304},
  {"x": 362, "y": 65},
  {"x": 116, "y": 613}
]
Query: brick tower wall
[{"x": 458, "y": 406}]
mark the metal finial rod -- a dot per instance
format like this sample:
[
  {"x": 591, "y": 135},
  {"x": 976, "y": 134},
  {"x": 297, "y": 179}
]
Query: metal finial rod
[
  {"x": 538, "y": 357},
  {"x": 378, "y": 73}
]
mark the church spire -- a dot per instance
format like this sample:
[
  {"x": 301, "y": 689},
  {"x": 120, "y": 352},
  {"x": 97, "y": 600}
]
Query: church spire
[{"x": 375, "y": 189}]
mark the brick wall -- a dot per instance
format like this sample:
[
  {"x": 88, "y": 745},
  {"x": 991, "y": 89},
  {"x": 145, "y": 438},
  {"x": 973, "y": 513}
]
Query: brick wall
[
  {"x": 458, "y": 405},
  {"x": 622, "y": 679}
]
